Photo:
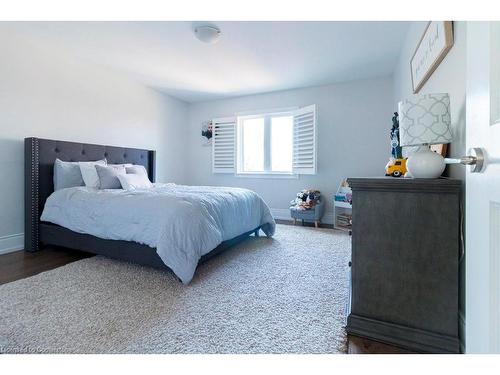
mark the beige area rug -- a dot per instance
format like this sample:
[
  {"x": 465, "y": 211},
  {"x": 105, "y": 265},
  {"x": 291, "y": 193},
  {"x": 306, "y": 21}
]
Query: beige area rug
[{"x": 285, "y": 294}]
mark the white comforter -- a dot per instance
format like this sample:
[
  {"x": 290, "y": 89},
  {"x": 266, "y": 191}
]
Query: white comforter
[{"x": 181, "y": 222}]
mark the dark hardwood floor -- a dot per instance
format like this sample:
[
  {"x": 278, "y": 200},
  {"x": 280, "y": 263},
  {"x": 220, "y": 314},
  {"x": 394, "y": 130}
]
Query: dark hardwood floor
[
  {"x": 306, "y": 224},
  {"x": 359, "y": 345},
  {"x": 21, "y": 264}
]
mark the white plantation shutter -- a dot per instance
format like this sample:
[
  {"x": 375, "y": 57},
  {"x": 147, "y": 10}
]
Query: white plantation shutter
[
  {"x": 304, "y": 140},
  {"x": 224, "y": 145}
]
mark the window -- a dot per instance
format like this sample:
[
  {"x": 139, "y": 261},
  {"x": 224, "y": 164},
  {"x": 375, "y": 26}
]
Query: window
[
  {"x": 252, "y": 145},
  {"x": 265, "y": 143},
  {"x": 273, "y": 143}
]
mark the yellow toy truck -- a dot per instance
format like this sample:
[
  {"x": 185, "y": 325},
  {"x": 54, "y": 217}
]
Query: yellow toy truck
[{"x": 395, "y": 167}]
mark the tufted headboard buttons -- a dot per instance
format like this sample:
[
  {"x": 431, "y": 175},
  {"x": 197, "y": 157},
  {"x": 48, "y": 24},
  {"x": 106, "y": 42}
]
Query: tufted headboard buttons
[{"x": 40, "y": 155}]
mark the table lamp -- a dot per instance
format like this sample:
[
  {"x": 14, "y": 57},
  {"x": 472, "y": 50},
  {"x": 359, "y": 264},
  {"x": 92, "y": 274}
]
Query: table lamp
[{"x": 424, "y": 120}]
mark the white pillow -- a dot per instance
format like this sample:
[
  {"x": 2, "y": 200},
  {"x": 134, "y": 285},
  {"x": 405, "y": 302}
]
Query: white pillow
[
  {"x": 136, "y": 169},
  {"x": 134, "y": 181},
  {"x": 121, "y": 165},
  {"x": 89, "y": 173}
]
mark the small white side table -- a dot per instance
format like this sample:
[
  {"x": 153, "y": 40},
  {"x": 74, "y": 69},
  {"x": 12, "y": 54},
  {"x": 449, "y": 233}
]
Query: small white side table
[{"x": 340, "y": 211}]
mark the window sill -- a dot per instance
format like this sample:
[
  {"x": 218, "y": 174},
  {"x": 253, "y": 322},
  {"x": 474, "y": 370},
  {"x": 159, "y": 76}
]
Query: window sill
[{"x": 268, "y": 175}]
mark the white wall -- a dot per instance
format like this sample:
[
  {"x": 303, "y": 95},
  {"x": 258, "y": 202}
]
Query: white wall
[
  {"x": 354, "y": 120},
  {"x": 448, "y": 77},
  {"x": 46, "y": 94}
]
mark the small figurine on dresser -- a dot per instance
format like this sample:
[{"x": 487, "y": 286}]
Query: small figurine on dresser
[
  {"x": 396, "y": 166},
  {"x": 396, "y": 149}
]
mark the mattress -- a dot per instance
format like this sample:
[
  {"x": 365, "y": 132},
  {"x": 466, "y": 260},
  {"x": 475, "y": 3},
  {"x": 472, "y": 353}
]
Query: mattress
[{"x": 182, "y": 222}]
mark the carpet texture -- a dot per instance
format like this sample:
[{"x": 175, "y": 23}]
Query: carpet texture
[{"x": 285, "y": 294}]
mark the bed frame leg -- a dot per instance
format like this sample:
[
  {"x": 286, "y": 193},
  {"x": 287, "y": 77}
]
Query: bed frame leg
[
  {"x": 256, "y": 233},
  {"x": 31, "y": 245}
]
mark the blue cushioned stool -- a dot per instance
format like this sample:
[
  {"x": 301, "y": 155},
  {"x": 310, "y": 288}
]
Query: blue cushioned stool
[{"x": 315, "y": 214}]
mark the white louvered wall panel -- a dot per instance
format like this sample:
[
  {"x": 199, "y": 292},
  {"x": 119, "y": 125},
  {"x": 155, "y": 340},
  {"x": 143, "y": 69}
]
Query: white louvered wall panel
[
  {"x": 224, "y": 145},
  {"x": 304, "y": 140}
]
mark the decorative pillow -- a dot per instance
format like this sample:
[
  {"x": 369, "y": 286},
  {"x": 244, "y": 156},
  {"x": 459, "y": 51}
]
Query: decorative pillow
[
  {"x": 134, "y": 181},
  {"x": 124, "y": 165},
  {"x": 108, "y": 176},
  {"x": 89, "y": 174},
  {"x": 67, "y": 174},
  {"x": 136, "y": 169}
]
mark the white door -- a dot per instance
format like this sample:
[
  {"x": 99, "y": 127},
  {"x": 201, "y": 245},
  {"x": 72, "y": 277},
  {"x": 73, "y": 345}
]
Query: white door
[{"x": 483, "y": 189}]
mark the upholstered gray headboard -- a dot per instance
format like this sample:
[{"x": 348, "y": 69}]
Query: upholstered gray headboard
[{"x": 40, "y": 155}]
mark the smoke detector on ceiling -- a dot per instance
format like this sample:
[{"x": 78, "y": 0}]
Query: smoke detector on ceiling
[{"x": 207, "y": 33}]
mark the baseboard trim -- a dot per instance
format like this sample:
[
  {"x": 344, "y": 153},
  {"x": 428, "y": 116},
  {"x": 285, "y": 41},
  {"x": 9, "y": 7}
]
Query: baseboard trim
[
  {"x": 284, "y": 214},
  {"x": 11, "y": 243},
  {"x": 405, "y": 337}
]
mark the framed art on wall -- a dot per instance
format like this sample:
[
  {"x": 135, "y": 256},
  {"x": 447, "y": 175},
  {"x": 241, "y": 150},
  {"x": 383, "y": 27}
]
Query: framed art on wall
[
  {"x": 206, "y": 133},
  {"x": 431, "y": 50}
]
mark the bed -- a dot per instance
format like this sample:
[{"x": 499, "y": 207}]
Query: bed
[{"x": 200, "y": 206}]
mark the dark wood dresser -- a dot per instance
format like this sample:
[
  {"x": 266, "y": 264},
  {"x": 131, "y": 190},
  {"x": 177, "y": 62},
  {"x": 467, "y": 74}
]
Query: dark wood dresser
[{"x": 405, "y": 256}]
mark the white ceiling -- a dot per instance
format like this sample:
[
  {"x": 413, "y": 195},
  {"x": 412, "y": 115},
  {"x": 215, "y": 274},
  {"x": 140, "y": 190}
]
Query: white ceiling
[{"x": 250, "y": 57}]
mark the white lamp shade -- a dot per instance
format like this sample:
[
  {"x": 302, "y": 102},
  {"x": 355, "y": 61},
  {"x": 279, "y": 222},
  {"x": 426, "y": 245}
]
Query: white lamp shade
[{"x": 425, "y": 119}]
